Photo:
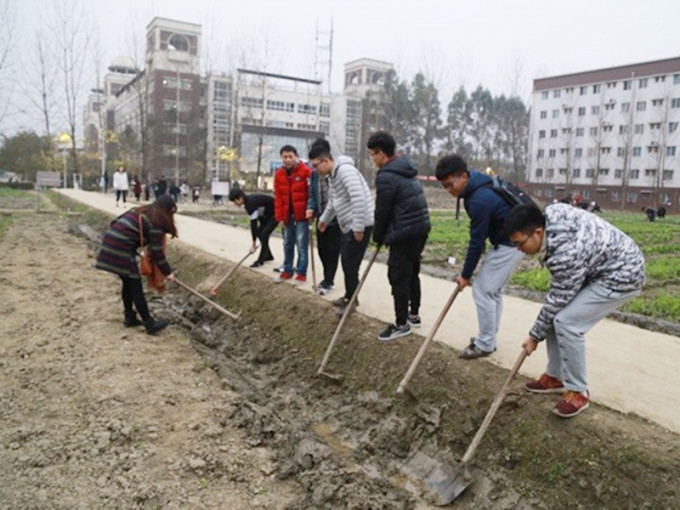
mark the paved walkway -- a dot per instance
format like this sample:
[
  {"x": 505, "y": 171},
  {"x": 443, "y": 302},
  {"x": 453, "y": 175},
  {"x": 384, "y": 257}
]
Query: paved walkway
[{"x": 629, "y": 369}]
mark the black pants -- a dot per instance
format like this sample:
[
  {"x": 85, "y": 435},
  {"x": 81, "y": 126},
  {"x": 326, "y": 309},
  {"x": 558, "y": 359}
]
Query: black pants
[
  {"x": 403, "y": 269},
  {"x": 266, "y": 230},
  {"x": 133, "y": 293},
  {"x": 121, "y": 193},
  {"x": 328, "y": 244},
  {"x": 351, "y": 255}
]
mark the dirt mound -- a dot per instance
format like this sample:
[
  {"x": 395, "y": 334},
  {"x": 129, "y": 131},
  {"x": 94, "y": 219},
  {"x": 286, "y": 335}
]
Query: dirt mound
[{"x": 144, "y": 421}]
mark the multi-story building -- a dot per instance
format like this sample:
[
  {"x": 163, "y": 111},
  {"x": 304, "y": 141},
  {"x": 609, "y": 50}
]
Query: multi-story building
[{"x": 609, "y": 135}]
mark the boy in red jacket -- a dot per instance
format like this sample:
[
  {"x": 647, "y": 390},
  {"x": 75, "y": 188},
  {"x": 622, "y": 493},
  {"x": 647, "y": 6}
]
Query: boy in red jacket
[{"x": 291, "y": 191}]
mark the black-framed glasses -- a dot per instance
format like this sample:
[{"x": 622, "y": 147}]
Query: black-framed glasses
[{"x": 519, "y": 244}]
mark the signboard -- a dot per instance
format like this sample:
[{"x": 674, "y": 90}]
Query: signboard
[
  {"x": 48, "y": 179},
  {"x": 219, "y": 188}
]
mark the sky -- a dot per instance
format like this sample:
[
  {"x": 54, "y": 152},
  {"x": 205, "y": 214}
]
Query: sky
[{"x": 502, "y": 45}]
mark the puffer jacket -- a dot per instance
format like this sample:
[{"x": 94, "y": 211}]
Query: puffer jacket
[
  {"x": 291, "y": 187},
  {"x": 350, "y": 199},
  {"x": 401, "y": 212},
  {"x": 582, "y": 248},
  {"x": 487, "y": 212}
]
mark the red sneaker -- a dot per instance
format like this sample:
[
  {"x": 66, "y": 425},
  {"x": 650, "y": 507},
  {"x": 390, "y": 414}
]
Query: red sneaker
[
  {"x": 545, "y": 384},
  {"x": 284, "y": 277},
  {"x": 572, "y": 403},
  {"x": 300, "y": 278}
]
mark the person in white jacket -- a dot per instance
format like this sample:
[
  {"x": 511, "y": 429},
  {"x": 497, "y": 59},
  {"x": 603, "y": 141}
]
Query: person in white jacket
[
  {"x": 121, "y": 184},
  {"x": 351, "y": 202}
]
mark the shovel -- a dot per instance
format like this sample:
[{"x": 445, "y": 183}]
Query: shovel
[
  {"x": 210, "y": 302},
  {"x": 216, "y": 287},
  {"x": 338, "y": 328},
  {"x": 448, "y": 483},
  {"x": 416, "y": 361},
  {"x": 311, "y": 256}
]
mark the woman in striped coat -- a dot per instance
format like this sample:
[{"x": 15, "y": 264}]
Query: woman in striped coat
[{"x": 119, "y": 250}]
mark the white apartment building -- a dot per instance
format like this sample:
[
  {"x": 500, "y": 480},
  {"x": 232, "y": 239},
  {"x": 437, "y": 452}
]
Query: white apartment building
[{"x": 609, "y": 135}]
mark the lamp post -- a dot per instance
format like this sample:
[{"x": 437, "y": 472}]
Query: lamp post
[{"x": 64, "y": 140}]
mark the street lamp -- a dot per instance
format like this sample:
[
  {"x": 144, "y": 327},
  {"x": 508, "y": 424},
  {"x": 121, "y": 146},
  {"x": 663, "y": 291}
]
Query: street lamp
[{"x": 64, "y": 141}]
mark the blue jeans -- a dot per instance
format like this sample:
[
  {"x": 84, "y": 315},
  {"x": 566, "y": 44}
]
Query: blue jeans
[{"x": 295, "y": 233}]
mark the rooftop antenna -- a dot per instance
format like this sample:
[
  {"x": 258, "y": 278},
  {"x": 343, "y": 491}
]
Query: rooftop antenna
[{"x": 323, "y": 54}]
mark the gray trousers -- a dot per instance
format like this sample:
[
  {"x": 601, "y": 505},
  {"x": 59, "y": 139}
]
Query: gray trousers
[
  {"x": 566, "y": 341},
  {"x": 487, "y": 292}
]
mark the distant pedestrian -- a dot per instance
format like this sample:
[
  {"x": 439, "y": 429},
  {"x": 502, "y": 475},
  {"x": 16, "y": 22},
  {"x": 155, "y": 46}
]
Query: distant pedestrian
[
  {"x": 161, "y": 187},
  {"x": 661, "y": 212},
  {"x": 594, "y": 269},
  {"x": 402, "y": 222},
  {"x": 650, "y": 212},
  {"x": 175, "y": 192},
  {"x": 184, "y": 191},
  {"x": 137, "y": 187},
  {"x": 106, "y": 182},
  {"x": 118, "y": 255},
  {"x": 121, "y": 184},
  {"x": 147, "y": 190},
  {"x": 260, "y": 209},
  {"x": 195, "y": 194}
]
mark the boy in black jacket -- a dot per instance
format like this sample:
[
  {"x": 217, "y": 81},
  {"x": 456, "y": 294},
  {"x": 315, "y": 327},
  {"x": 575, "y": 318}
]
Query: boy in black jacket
[{"x": 260, "y": 208}]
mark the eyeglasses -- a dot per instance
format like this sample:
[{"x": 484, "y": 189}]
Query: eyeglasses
[{"x": 519, "y": 244}]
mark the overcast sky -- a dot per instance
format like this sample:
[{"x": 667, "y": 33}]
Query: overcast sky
[{"x": 502, "y": 44}]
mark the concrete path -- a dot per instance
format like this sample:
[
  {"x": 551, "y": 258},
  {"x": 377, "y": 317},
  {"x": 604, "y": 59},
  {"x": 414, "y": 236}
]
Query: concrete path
[{"x": 630, "y": 369}]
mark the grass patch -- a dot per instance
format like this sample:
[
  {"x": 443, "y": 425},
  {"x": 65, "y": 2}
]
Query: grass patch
[
  {"x": 15, "y": 193},
  {"x": 5, "y": 222},
  {"x": 532, "y": 279},
  {"x": 662, "y": 306}
]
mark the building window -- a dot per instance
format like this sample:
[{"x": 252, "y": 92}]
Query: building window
[
  {"x": 607, "y": 128},
  {"x": 672, "y": 127},
  {"x": 548, "y": 193},
  {"x": 544, "y": 94},
  {"x": 567, "y": 109},
  {"x": 569, "y": 90},
  {"x": 555, "y": 114},
  {"x": 595, "y": 110},
  {"x": 593, "y": 131},
  {"x": 590, "y": 172},
  {"x": 655, "y": 125},
  {"x": 325, "y": 110},
  {"x": 551, "y": 153},
  {"x": 653, "y": 149},
  {"x": 307, "y": 108},
  {"x": 553, "y": 133},
  {"x": 578, "y": 152},
  {"x": 581, "y": 111},
  {"x": 580, "y": 131},
  {"x": 540, "y": 153},
  {"x": 635, "y": 174},
  {"x": 660, "y": 79},
  {"x": 541, "y": 133},
  {"x": 625, "y": 107},
  {"x": 676, "y": 79},
  {"x": 668, "y": 175},
  {"x": 583, "y": 90},
  {"x": 637, "y": 151},
  {"x": 627, "y": 84},
  {"x": 618, "y": 173},
  {"x": 603, "y": 171},
  {"x": 631, "y": 197},
  {"x": 325, "y": 127},
  {"x": 639, "y": 129},
  {"x": 620, "y": 152},
  {"x": 307, "y": 127},
  {"x": 642, "y": 83},
  {"x": 544, "y": 114},
  {"x": 657, "y": 102},
  {"x": 592, "y": 151},
  {"x": 564, "y": 150},
  {"x": 616, "y": 196},
  {"x": 670, "y": 151},
  {"x": 611, "y": 85},
  {"x": 556, "y": 93},
  {"x": 596, "y": 88},
  {"x": 650, "y": 172},
  {"x": 576, "y": 172},
  {"x": 251, "y": 102},
  {"x": 623, "y": 129},
  {"x": 566, "y": 131},
  {"x": 550, "y": 173},
  {"x": 641, "y": 106},
  {"x": 539, "y": 172},
  {"x": 562, "y": 171},
  {"x": 610, "y": 105},
  {"x": 675, "y": 102},
  {"x": 605, "y": 150}
]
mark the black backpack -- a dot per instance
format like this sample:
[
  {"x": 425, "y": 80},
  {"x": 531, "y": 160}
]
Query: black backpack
[{"x": 508, "y": 191}]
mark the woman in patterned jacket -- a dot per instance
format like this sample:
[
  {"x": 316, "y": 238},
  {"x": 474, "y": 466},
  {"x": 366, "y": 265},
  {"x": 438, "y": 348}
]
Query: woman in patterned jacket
[
  {"x": 119, "y": 250},
  {"x": 594, "y": 269}
]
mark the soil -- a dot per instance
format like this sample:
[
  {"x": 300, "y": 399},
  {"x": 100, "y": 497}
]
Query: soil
[{"x": 213, "y": 413}]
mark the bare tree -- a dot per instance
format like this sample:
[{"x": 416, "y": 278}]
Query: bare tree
[{"x": 7, "y": 47}]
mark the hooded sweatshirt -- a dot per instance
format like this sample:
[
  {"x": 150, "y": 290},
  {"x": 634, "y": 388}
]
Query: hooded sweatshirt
[{"x": 401, "y": 212}]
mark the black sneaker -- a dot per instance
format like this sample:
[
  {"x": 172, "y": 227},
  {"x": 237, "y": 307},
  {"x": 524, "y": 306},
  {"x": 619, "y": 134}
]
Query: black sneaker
[
  {"x": 341, "y": 309},
  {"x": 132, "y": 321},
  {"x": 393, "y": 332},
  {"x": 257, "y": 263},
  {"x": 340, "y": 302},
  {"x": 155, "y": 325},
  {"x": 278, "y": 269},
  {"x": 414, "y": 321},
  {"x": 474, "y": 352},
  {"x": 324, "y": 288}
]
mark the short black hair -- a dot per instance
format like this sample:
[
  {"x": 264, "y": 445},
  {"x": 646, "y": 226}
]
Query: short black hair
[
  {"x": 523, "y": 218},
  {"x": 288, "y": 148},
  {"x": 452, "y": 164},
  {"x": 320, "y": 149},
  {"x": 382, "y": 141},
  {"x": 235, "y": 193}
]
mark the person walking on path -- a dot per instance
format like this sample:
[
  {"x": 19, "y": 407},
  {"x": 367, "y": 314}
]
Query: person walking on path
[
  {"x": 402, "y": 222},
  {"x": 137, "y": 188},
  {"x": 487, "y": 211},
  {"x": 260, "y": 208},
  {"x": 119, "y": 250},
  {"x": 120, "y": 184},
  {"x": 594, "y": 269},
  {"x": 291, "y": 192},
  {"x": 350, "y": 201},
  {"x": 328, "y": 241}
]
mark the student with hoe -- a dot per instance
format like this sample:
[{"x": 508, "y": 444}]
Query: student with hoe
[
  {"x": 351, "y": 202},
  {"x": 291, "y": 192},
  {"x": 594, "y": 269},
  {"x": 487, "y": 211},
  {"x": 260, "y": 207},
  {"x": 402, "y": 222},
  {"x": 119, "y": 250}
]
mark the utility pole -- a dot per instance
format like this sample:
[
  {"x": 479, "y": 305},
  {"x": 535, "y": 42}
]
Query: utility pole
[{"x": 177, "y": 110}]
